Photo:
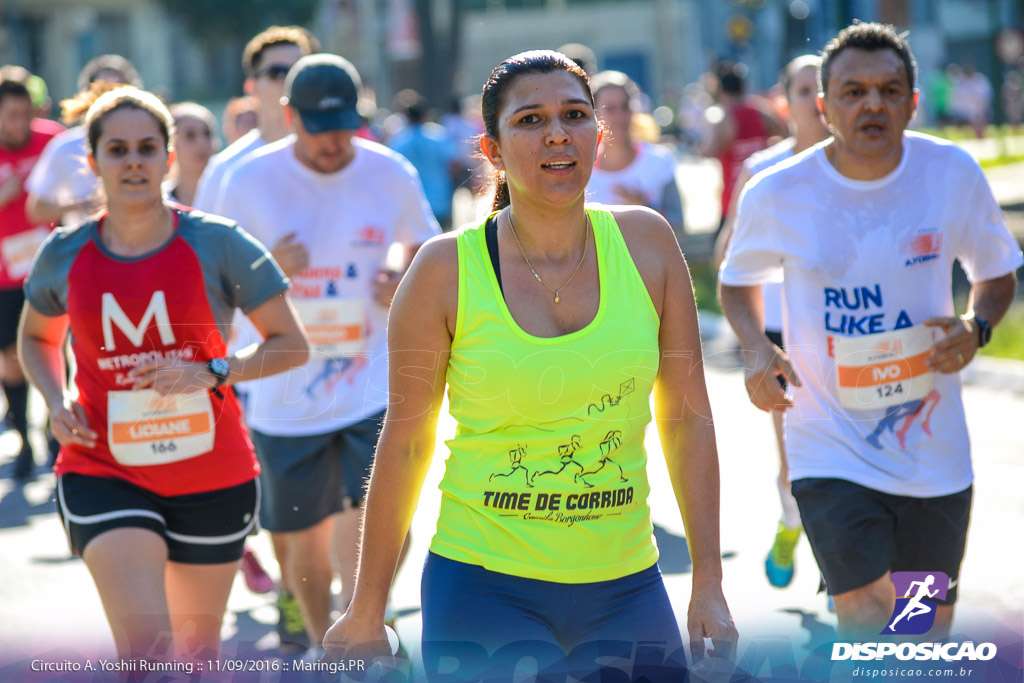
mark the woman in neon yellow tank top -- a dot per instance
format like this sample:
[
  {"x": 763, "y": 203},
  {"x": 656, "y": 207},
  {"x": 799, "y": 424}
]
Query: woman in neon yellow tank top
[{"x": 551, "y": 323}]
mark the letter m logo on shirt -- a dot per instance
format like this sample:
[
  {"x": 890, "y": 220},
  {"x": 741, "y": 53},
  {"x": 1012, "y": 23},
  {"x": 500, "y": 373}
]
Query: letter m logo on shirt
[{"x": 113, "y": 314}]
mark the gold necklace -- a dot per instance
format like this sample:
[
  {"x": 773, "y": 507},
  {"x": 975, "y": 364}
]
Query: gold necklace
[{"x": 512, "y": 225}]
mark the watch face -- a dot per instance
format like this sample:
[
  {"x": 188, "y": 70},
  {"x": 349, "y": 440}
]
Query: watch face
[{"x": 220, "y": 367}]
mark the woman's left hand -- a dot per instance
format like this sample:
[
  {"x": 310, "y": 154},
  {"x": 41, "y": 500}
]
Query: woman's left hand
[
  {"x": 166, "y": 376},
  {"x": 709, "y": 617}
]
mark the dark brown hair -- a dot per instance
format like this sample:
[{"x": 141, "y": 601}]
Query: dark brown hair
[
  {"x": 252, "y": 55},
  {"x": 127, "y": 97},
  {"x": 869, "y": 37},
  {"x": 74, "y": 109},
  {"x": 522, "y": 64},
  {"x": 13, "y": 88}
]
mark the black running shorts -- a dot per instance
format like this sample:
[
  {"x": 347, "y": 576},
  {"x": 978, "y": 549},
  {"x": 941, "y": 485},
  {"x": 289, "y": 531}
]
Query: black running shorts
[
  {"x": 199, "y": 528},
  {"x": 858, "y": 534}
]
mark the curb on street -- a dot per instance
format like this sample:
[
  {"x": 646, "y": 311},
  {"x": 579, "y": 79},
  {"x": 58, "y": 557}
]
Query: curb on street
[{"x": 1000, "y": 374}]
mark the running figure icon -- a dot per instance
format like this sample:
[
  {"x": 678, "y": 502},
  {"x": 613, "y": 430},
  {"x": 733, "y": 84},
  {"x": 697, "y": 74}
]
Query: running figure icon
[
  {"x": 612, "y": 440},
  {"x": 567, "y": 456},
  {"x": 915, "y": 607},
  {"x": 515, "y": 456}
]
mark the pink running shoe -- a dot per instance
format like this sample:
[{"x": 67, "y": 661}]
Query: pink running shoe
[{"x": 256, "y": 579}]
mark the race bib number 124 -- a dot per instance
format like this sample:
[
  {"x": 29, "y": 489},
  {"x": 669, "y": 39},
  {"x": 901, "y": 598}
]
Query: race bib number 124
[{"x": 882, "y": 370}]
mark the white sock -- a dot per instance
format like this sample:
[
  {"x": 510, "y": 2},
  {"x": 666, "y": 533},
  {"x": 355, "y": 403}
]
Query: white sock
[{"x": 790, "y": 511}]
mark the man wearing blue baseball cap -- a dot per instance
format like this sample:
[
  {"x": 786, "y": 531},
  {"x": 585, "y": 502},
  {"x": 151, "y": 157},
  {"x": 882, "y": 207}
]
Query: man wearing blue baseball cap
[{"x": 340, "y": 202}]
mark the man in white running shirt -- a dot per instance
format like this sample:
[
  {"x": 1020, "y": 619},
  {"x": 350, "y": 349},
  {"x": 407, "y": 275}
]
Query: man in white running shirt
[
  {"x": 267, "y": 58},
  {"x": 865, "y": 229},
  {"x": 342, "y": 202}
]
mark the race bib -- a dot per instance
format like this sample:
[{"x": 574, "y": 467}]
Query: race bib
[
  {"x": 17, "y": 251},
  {"x": 145, "y": 428},
  {"x": 882, "y": 370},
  {"x": 335, "y": 326}
]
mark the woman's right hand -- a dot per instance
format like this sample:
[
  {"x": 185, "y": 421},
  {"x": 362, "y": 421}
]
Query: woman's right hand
[
  {"x": 69, "y": 424},
  {"x": 351, "y": 638}
]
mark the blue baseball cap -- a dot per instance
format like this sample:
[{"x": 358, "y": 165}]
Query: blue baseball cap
[{"x": 324, "y": 89}]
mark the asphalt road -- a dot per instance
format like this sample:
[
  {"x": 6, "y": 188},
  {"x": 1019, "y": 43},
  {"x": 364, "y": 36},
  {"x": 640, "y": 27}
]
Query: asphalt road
[{"x": 49, "y": 608}]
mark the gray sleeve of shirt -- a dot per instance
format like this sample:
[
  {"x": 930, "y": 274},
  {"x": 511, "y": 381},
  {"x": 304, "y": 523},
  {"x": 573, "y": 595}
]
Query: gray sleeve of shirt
[
  {"x": 254, "y": 274},
  {"x": 46, "y": 288},
  {"x": 239, "y": 271}
]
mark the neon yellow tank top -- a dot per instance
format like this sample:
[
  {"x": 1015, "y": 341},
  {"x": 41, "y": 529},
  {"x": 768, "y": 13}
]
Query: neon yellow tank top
[{"x": 546, "y": 477}]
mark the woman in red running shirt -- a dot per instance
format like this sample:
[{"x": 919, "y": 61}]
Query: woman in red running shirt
[{"x": 156, "y": 479}]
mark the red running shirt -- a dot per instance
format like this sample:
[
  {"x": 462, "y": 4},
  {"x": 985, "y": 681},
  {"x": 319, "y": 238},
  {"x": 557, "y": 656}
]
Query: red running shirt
[
  {"x": 751, "y": 136},
  {"x": 176, "y": 301},
  {"x": 19, "y": 237}
]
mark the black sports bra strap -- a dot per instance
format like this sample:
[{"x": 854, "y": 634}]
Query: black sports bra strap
[{"x": 491, "y": 235}]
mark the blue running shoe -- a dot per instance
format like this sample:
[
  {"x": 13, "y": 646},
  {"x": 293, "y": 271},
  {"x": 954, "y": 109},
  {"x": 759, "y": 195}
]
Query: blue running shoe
[{"x": 778, "y": 566}]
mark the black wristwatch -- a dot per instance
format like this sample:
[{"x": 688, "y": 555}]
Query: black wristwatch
[
  {"x": 984, "y": 331},
  {"x": 219, "y": 368}
]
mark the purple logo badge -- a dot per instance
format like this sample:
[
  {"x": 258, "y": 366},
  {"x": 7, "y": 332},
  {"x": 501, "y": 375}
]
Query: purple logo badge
[{"x": 914, "y": 613}]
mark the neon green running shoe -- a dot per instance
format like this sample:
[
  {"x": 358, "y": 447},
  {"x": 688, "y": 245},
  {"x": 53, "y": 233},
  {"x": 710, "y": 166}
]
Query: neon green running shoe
[
  {"x": 778, "y": 566},
  {"x": 291, "y": 628}
]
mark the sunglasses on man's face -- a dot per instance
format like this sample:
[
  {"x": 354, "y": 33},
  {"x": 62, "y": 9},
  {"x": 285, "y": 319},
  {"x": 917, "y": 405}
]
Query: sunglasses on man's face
[{"x": 274, "y": 72}]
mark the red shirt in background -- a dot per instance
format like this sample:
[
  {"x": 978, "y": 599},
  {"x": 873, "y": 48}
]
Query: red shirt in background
[
  {"x": 751, "y": 136},
  {"x": 19, "y": 237}
]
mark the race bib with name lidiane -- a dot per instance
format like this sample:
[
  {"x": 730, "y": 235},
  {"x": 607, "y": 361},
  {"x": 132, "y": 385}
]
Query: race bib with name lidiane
[{"x": 145, "y": 428}]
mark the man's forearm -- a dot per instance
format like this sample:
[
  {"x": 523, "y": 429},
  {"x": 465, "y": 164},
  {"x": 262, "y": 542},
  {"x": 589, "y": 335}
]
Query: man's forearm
[
  {"x": 744, "y": 309},
  {"x": 991, "y": 299}
]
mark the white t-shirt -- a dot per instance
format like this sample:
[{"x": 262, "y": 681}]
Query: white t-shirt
[
  {"x": 347, "y": 221},
  {"x": 212, "y": 181},
  {"x": 62, "y": 174},
  {"x": 771, "y": 292},
  {"x": 653, "y": 168},
  {"x": 861, "y": 257}
]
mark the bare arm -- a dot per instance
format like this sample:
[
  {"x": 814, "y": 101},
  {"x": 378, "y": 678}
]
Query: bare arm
[
  {"x": 685, "y": 425},
  {"x": 722, "y": 241},
  {"x": 40, "y": 211},
  {"x": 386, "y": 283},
  {"x": 989, "y": 300},
  {"x": 41, "y": 352},
  {"x": 420, "y": 330},
  {"x": 284, "y": 346},
  {"x": 721, "y": 131},
  {"x": 763, "y": 361}
]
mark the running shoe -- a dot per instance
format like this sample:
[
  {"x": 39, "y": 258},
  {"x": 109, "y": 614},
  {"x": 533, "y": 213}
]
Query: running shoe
[
  {"x": 256, "y": 579},
  {"x": 778, "y": 566},
  {"x": 291, "y": 628}
]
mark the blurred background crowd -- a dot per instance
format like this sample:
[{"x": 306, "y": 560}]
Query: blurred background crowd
[{"x": 423, "y": 61}]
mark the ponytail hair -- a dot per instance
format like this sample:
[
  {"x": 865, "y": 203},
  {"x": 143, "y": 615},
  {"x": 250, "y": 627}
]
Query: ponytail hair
[{"x": 501, "y": 196}]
